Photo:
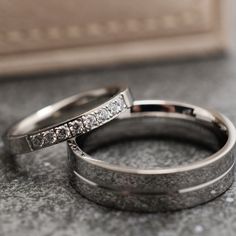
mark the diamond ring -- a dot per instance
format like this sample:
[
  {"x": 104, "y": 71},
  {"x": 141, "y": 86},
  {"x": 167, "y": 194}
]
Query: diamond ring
[{"x": 66, "y": 119}]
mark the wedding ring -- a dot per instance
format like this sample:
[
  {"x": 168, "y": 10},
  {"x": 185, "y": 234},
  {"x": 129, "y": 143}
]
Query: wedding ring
[
  {"x": 157, "y": 189},
  {"x": 67, "y": 118}
]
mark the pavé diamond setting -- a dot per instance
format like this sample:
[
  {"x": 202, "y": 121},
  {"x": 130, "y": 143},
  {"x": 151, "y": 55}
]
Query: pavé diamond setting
[
  {"x": 90, "y": 121},
  {"x": 116, "y": 106},
  {"x": 102, "y": 115},
  {"x": 82, "y": 124},
  {"x": 49, "y": 137},
  {"x": 63, "y": 132},
  {"x": 76, "y": 127},
  {"x": 121, "y": 103},
  {"x": 37, "y": 140},
  {"x": 113, "y": 108}
]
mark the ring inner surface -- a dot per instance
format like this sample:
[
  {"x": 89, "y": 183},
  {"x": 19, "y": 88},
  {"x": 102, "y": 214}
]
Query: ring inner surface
[
  {"x": 151, "y": 140},
  {"x": 64, "y": 110}
]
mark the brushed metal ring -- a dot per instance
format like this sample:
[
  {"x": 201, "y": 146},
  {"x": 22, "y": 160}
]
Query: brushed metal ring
[
  {"x": 163, "y": 188},
  {"x": 67, "y": 118}
]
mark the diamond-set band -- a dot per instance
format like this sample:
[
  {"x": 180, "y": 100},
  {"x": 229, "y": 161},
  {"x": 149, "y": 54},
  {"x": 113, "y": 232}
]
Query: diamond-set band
[
  {"x": 80, "y": 125},
  {"x": 66, "y": 119}
]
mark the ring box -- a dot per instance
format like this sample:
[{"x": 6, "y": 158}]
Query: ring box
[{"x": 60, "y": 35}]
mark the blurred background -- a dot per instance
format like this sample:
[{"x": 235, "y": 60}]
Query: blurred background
[
  {"x": 59, "y": 35},
  {"x": 177, "y": 50}
]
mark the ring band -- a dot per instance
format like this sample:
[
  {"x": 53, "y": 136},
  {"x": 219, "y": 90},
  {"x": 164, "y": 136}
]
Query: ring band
[
  {"x": 153, "y": 202},
  {"x": 163, "y": 188},
  {"x": 67, "y": 118}
]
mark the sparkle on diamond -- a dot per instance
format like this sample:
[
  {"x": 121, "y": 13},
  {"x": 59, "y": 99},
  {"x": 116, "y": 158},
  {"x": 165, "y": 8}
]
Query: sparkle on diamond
[
  {"x": 49, "y": 137},
  {"x": 102, "y": 115},
  {"x": 37, "y": 140},
  {"x": 116, "y": 106},
  {"x": 90, "y": 121},
  {"x": 76, "y": 127},
  {"x": 63, "y": 132}
]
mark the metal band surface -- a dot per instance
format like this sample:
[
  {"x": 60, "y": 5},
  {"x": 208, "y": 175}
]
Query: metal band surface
[
  {"x": 169, "y": 188},
  {"x": 67, "y": 118},
  {"x": 151, "y": 201}
]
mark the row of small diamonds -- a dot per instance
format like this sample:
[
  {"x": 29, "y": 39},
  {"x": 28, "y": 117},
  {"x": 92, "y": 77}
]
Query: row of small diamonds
[
  {"x": 49, "y": 137},
  {"x": 78, "y": 126},
  {"x": 104, "y": 114},
  {"x": 58, "y": 134}
]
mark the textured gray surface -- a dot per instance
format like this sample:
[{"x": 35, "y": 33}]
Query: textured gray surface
[{"x": 35, "y": 195}]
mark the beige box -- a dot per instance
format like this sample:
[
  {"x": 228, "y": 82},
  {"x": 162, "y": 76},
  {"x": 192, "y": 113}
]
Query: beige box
[{"x": 39, "y": 36}]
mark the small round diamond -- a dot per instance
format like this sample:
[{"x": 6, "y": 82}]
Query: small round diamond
[
  {"x": 115, "y": 107},
  {"x": 37, "y": 140},
  {"x": 121, "y": 103},
  {"x": 63, "y": 132},
  {"x": 76, "y": 127},
  {"x": 90, "y": 121},
  {"x": 102, "y": 115},
  {"x": 49, "y": 137}
]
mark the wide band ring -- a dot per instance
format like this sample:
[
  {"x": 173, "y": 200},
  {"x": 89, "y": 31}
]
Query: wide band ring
[
  {"x": 163, "y": 188},
  {"x": 67, "y": 118}
]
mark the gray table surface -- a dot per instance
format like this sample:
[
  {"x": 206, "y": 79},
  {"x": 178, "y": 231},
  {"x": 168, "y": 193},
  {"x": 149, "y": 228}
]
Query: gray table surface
[{"x": 35, "y": 195}]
